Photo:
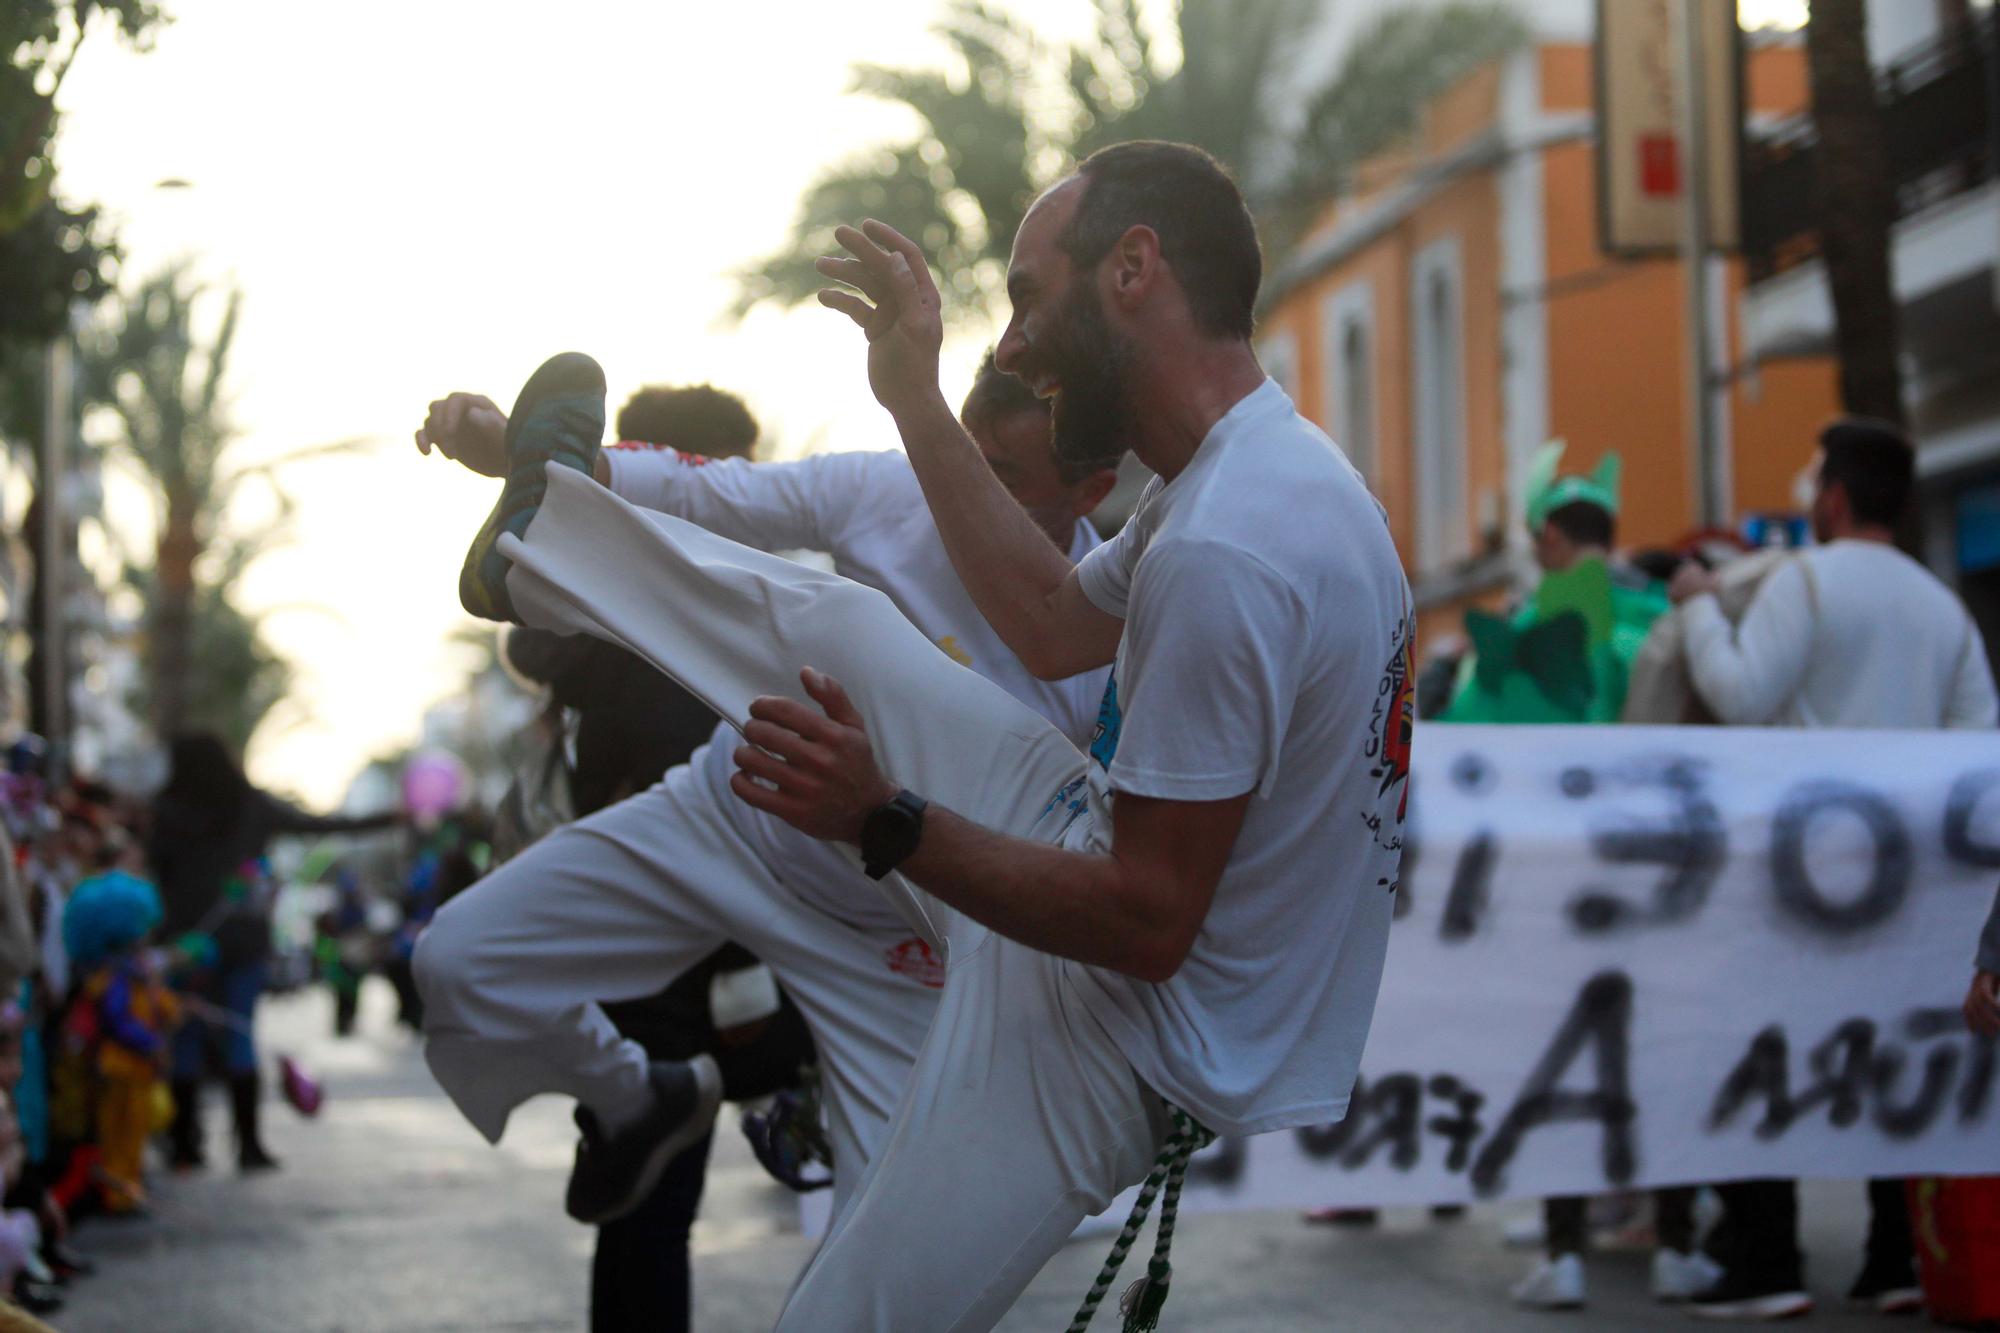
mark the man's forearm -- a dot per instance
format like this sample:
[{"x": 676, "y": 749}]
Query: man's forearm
[
  {"x": 1077, "y": 905},
  {"x": 1005, "y": 561}
]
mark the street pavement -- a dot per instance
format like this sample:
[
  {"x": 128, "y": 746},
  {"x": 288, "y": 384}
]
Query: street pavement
[{"x": 392, "y": 1216}]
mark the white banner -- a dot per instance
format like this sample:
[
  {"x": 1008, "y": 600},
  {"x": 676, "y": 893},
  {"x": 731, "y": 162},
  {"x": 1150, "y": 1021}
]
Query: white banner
[{"x": 1635, "y": 956}]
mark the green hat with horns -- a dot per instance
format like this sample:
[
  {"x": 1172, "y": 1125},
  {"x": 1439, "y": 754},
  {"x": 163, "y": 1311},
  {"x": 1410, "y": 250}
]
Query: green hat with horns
[{"x": 1547, "y": 492}]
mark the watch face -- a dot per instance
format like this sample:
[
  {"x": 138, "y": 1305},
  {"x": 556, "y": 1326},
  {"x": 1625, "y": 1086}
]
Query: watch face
[
  {"x": 892, "y": 826},
  {"x": 891, "y": 833}
]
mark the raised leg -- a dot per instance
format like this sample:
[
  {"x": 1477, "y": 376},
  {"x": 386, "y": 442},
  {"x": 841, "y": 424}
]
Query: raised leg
[{"x": 730, "y": 623}]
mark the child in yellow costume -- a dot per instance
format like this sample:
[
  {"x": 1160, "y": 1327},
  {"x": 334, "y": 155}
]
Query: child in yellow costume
[{"x": 123, "y": 1019}]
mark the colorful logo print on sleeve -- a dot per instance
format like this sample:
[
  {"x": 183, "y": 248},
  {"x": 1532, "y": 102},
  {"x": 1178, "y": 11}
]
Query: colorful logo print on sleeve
[{"x": 1104, "y": 740}]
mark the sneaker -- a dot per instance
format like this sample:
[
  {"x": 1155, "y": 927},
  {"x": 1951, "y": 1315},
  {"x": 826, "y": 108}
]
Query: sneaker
[
  {"x": 615, "y": 1173},
  {"x": 786, "y": 1139},
  {"x": 37, "y": 1298},
  {"x": 66, "y": 1262},
  {"x": 1749, "y": 1300},
  {"x": 1889, "y": 1288},
  {"x": 1681, "y": 1277},
  {"x": 558, "y": 418},
  {"x": 1555, "y": 1284},
  {"x": 1899, "y": 1300},
  {"x": 255, "y": 1159},
  {"x": 1343, "y": 1217}
]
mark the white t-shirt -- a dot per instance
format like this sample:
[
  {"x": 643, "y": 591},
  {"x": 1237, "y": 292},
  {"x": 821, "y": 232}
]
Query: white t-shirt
[
  {"x": 1267, "y": 649},
  {"x": 867, "y": 511},
  {"x": 1850, "y": 634}
]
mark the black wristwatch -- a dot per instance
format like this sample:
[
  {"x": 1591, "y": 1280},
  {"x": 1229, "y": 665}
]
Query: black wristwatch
[{"x": 891, "y": 832}]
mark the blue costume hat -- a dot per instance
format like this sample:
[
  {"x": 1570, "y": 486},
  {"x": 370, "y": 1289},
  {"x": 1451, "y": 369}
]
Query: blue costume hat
[{"x": 106, "y": 913}]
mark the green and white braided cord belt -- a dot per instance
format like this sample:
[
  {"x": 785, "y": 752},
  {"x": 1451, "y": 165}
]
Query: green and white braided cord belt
[{"x": 1144, "y": 1299}]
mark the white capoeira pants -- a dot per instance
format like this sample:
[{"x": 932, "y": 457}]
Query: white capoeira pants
[{"x": 1019, "y": 1118}]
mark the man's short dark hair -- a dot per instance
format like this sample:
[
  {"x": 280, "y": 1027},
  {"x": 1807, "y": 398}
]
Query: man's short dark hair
[
  {"x": 694, "y": 418},
  {"x": 1206, "y": 233},
  {"x": 1873, "y": 462},
  {"x": 1584, "y": 523},
  {"x": 996, "y": 395}
]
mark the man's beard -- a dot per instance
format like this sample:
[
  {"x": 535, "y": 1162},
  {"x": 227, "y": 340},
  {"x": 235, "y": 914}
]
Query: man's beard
[{"x": 1092, "y": 417}]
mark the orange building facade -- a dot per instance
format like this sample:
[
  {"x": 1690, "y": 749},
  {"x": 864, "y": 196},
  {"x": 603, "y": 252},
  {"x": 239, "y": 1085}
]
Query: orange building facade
[{"x": 1456, "y": 312}]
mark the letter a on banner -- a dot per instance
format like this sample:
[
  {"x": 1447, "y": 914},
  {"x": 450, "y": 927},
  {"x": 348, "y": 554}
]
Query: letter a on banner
[{"x": 1601, "y": 1019}]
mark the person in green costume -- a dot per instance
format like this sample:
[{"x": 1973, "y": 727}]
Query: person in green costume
[{"x": 1565, "y": 653}]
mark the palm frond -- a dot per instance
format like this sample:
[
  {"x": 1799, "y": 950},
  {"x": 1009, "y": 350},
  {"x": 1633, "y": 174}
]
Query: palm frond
[
  {"x": 900, "y": 187},
  {"x": 208, "y": 404},
  {"x": 1008, "y": 111},
  {"x": 1377, "y": 94}
]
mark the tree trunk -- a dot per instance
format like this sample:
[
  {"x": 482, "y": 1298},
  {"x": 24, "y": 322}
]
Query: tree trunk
[
  {"x": 1855, "y": 199},
  {"x": 44, "y": 713},
  {"x": 173, "y": 617}
]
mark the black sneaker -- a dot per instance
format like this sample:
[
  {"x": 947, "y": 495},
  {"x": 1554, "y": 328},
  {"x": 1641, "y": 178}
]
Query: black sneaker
[
  {"x": 1888, "y": 1288},
  {"x": 1749, "y": 1300},
  {"x": 615, "y": 1173},
  {"x": 37, "y": 1297},
  {"x": 786, "y": 1138},
  {"x": 558, "y": 418},
  {"x": 66, "y": 1262}
]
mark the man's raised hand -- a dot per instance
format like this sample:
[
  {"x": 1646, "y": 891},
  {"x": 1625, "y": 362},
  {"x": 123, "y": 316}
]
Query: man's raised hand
[
  {"x": 902, "y": 314},
  {"x": 467, "y": 428}
]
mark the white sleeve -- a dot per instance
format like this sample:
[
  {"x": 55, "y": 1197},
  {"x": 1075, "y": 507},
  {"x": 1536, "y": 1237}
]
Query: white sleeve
[
  {"x": 1213, "y": 649},
  {"x": 802, "y": 505},
  {"x": 1748, "y": 674},
  {"x": 1105, "y": 574},
  {"x": 1972, "y": 705}
]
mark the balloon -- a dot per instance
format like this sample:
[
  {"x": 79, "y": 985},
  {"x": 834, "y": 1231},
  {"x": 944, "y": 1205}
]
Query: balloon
[{"x": 433, "y": 784}]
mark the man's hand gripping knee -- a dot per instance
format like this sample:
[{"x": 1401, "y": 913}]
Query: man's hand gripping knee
[{"x": 815, "y": 770}]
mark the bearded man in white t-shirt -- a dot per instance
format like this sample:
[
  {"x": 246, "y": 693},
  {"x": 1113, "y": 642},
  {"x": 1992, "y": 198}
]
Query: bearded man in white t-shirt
[
  {"x": 1183, "y": 937},
  {"x": 1200, "y": 950}
]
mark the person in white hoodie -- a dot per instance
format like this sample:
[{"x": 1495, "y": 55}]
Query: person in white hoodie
[{"x": 1849, "y": 633}]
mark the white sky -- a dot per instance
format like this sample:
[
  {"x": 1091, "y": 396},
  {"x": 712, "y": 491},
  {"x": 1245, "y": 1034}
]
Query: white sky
[{"x": 425, "y": 195}]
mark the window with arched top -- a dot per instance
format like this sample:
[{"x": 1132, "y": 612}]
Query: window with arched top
[
  {"x": 1348, "y": 370},
  {"x": 1438, "y": 412},
  {"x": 1357, "y": 359}
]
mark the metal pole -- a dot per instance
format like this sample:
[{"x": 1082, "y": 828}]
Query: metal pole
[
  {"x": 53, "y": 466},
  {"x": 1704, "y": 440}
]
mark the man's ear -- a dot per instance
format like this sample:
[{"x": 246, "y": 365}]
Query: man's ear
[
  {"x": 1090, "y": 492},
  {"x": 1135, "y": 265}
]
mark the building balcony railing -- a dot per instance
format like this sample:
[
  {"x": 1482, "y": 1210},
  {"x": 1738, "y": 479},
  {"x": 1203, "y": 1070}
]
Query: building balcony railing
[{"x": 1941, "y": 119}]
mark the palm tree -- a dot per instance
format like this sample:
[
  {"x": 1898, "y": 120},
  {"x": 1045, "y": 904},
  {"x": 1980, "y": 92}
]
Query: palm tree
[
  {"x": 239, "y": 679},
  {"x": 1854, "y": 196},
  {"x": 960, "y": 187},
  {"x": 1011, "y": 114},
  {"x": 163, "y": 386}
]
